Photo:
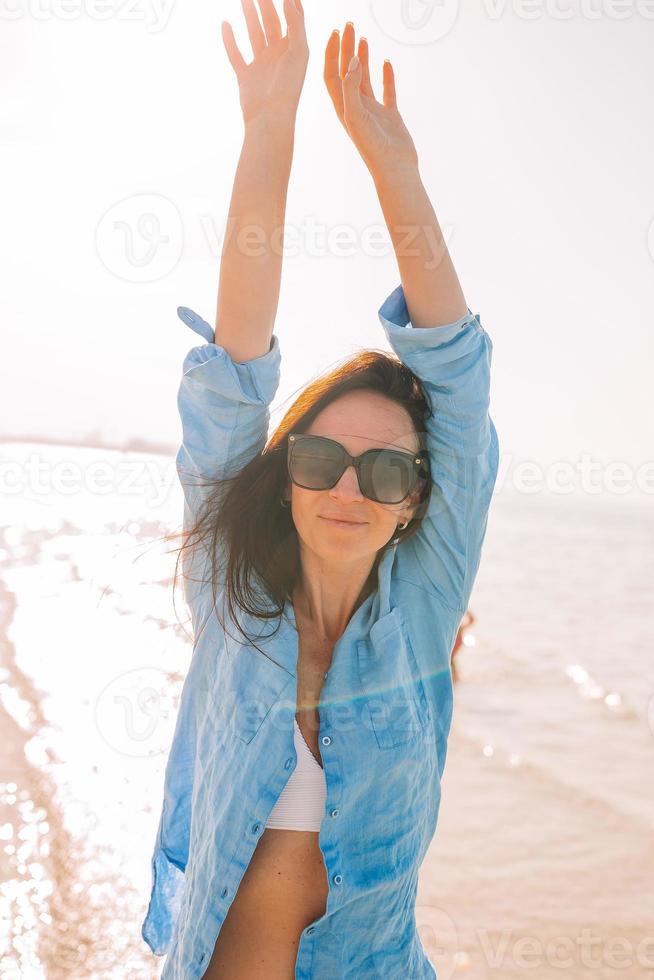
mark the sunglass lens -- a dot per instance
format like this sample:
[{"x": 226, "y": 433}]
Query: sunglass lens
[
  {"x": 315, "y": 465},
  {"x": 387, "y": 477}
]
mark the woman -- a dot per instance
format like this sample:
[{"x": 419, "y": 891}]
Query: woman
[{"x": 303, "y": 782}]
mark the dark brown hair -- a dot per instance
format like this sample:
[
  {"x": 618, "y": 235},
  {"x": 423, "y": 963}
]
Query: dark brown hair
[{"x": 258, "y": 540}]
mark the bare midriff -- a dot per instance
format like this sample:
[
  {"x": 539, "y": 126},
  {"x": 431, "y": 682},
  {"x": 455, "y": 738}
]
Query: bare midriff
[{"x": 284, "y": 888}]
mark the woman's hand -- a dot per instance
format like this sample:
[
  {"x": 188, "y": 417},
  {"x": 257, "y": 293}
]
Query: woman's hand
[
  {"x": 377, "y": 130},
  {"x": 272, "y": 83}
]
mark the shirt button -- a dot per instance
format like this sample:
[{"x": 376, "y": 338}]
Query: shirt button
[
  {"x": 288, "y": 764},
  {"x": 310, "y": 930},
  {"x": 325, "y": 677},
  {"x": 335, "y": 813},
  {"x": 326, "y": 740},
  {"x": 223, "y": 893},
  {"x": 337, "y": 879},
  {"x": 256, "y": 827}
]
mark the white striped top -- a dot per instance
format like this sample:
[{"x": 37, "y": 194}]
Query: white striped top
[{"x": 301, "y": 805}]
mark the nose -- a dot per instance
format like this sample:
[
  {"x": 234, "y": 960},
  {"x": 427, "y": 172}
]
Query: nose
[{"x": 347, "y": 487}]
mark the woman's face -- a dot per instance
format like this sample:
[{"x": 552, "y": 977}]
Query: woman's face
[{"x": 359, "y": 420}]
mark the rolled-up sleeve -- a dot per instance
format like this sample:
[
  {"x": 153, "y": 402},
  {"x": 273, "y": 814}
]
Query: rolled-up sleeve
[
  {"x": 453, "y": 364},
  {"x": 224, "y": 407}
]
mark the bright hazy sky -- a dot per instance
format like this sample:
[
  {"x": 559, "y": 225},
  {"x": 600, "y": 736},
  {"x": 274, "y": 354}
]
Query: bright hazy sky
[{"x": 120, "y": 131}]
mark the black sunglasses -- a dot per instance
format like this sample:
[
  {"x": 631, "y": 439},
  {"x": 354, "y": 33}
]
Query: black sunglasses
[{"x": 386, "y": 476}]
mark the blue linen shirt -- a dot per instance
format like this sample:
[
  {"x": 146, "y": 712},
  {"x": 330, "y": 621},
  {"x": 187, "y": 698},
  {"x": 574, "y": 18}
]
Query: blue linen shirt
[{"x": 386, "y": 703}]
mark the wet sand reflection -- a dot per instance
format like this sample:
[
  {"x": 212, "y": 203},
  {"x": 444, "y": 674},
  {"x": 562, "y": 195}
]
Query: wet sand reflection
[{"x": 67, "y": 910}]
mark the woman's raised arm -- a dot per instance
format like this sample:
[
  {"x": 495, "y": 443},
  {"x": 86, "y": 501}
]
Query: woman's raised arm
[
  {"x": 269, "y": 89},
  {"x": 451, "y": 353},
  {"x": 431, "y": 286}
]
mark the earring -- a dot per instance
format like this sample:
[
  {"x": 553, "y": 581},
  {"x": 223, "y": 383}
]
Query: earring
[
  {"x": 401, "y": 527},
  {"x": 285, "y": 503}
]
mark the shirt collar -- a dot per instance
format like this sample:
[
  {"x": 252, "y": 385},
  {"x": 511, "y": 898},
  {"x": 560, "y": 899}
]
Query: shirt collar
[{"x": 282, "y": 646}]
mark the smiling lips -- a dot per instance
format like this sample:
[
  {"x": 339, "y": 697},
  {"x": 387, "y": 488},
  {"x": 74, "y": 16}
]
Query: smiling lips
[{"x": 341, "y": 520}]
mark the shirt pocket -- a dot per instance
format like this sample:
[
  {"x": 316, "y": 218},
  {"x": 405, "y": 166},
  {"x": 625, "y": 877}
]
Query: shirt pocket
[
  {"x": 245, "y": 687},
  {"x": 394, "y": 704}
]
